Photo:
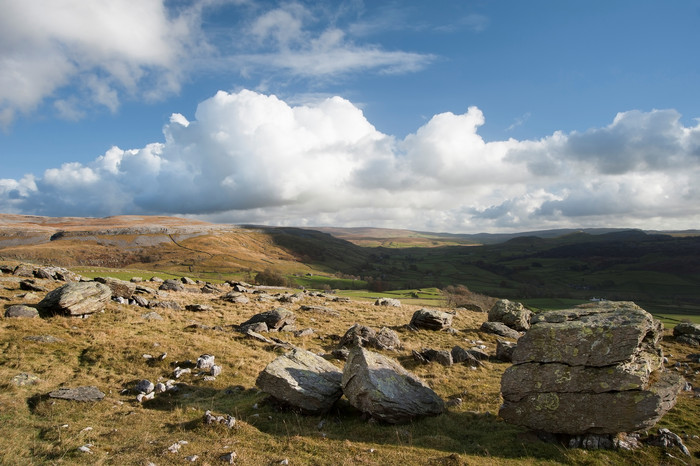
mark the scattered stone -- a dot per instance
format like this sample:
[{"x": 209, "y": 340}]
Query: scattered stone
[
  {"x": 215, "y": 370},
  {"x": 187, "y": 281},
  {"x": 171, "y": 285},
  {"x": 504, "y": 350},
  {"x": 205, "y": 361},
  {"x": 225, "y": 420},
  {"x": 136, "y": 279},
  {"x": 459, "y": 354},
  {"x": 88, "y": 394},
  {"x": 139, "y": 300},
  {"x": 24, "y": 379},
  {"x": 23, "y": 270},
  {"x": 454, "y": 402},
  {"x": 304, "y": 332},
  {"x": 32, "y": 285},
  {"x": 191, "y": 458},
  {"x": 276, "y": 319},
  {"x": 143, "y": 397},
  {"x": 385, "y": 339},
  {"x": 390, "y": 302},
  {"x": 152, "y": 316},
  {"x": 229, "y": 458},
  {"x": 120, "y": 288},
  {"x": 179, "y": 371},
  {"x": 303, "y": 380},
  {"x": 687, "y": 333},
  {"x": 210, "y": 289},
  {"x": 76, "y": 299},
  {"x": 290, "y": 298},
  {"x": 144, "y": 386},
  {"x": 85, "y": 448},
  {"x": 667, "y": 439},
  {"x": 199, "y": 308},
  {"x": 156, "y": 280},
  {"x": 380, "y": 387},
  {"x": 172, "y": 305},
  {"x": 235, "y": 297},
  {"x": 501, "y": 329},
  {"x": 431, "y": 319},
  {"x": 513, "y": 314},
  {"x": 594, "y": 369},
  {"x": 425, "y": 356},
  {"x": 20, "y": 310}
]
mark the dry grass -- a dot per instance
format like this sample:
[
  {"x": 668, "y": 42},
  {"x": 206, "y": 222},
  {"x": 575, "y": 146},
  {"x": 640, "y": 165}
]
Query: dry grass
[{"x": 107, "y": 350}]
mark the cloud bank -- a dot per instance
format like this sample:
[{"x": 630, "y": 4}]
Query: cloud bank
[{"x": 247, "y": 157}]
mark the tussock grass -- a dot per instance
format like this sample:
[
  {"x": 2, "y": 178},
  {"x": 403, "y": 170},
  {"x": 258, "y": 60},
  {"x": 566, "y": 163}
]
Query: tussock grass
[{"x": 106, "y": 350}]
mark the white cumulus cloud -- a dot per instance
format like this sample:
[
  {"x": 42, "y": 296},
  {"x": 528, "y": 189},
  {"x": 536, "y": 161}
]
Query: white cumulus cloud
[{"x": 247, "y": 157}]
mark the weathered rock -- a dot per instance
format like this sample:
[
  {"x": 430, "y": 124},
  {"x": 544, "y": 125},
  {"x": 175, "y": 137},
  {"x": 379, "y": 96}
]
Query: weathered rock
[
  {"x": 152, "y": 316},
  {"x": 687, "y": 333},
  {"x": 276, "y": 319},
  {"x": 89, "y": 393},
  {"x": 31, "y": 285},
  {"x": 443, "y": 357},
  {"x": 76, "y": 299},
  {"x": 24, "y": 270},
  {"x": 43, "y": 339},
  {"x": 290, "y": 298},
  {"x": 668, "y": 439},
  {"x": 199, "y": 307},
  {"x": 513, "y": 314},
  {"x": 303, "y": 380},
  {"x": 389, "y": 302},
  {"x": 20, "y": 310},
  {"x": 594, "y": 369},
  {"x": 205, "y": 361},
  {"x": 171, "y": 285},
  {"x": 592, "y": 335},
  {"x": 120, "y": 288},
  {"x": 459, "y": 354},
  {"x": 210, "y": 289},
  {"x": 431, "y": 319},
  {"x": 24, "y": 379},
  {"x": 385, "y": 339},
  {"x": 380, "y": 387},
  {"x": 319, "y": 310},
  {"x": 596, "y": 413},
  {"x": 172, "y": 305},
  {"x": 140, "y": 300},
  {"x": 504, "y": 350},
  {"x": 501, "y": 329},
  {"x": 187, "y": 281},
  {"x": 235, "y": 297},
  {"x": 144, "y": 386}
]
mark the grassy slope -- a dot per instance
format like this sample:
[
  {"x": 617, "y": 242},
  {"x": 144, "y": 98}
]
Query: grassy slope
[{"x": 106, "y": 350}]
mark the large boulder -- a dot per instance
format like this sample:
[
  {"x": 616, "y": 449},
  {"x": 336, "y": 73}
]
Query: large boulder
[
  {"x": 76, "y": 299},
  {"x": 381, "y": 388},
  {"x": 276, "y": 319},
  {"x": 687, "y": 333},
  {"x": 120, "y": 288},
  {"x": 303, "y": 380},
  {"x": 594, "y": 369},
  {"x": 431, "y": 319},
  {"x": 513, "y": 314}
]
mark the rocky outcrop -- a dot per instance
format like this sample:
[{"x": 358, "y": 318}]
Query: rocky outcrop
[
  {"x": 431, "y": 319},
  {"x": 120, "y": 288},
  {"x": 172, "y": 285},
  {"x": 76, "y": 299},
  {"x": 501, "y": 329},
  {"x": 687, "y": 333},
  {"x": 385, "y": 339},
  {"x": 389, "y": 302},
  {"x": 276, "y": 320},
  {"x": 381, "y": 388},
  {"x": 513, "y": 314},
  {"x": 303, "y": 380},
  {"x": 595, "y": 369},
  {"x": 20, "y": 310}
]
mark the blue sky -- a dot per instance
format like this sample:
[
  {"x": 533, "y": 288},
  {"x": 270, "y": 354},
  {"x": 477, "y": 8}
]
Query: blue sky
[{"x": 444, "y": 115}]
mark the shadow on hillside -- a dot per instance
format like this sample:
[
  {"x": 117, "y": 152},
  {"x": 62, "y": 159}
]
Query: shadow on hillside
[{"x": 470, "y": 433}]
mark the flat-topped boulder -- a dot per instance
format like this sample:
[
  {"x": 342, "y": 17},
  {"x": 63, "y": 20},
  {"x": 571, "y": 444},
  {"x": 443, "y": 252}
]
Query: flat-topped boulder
[
  {"x": 76, "y": 299},
  {"x": 120, "y": 288},
  {"x": 593, "y": 369},
  {"x": 303, "y": 380},
  {"x": 275, "y": 320}
]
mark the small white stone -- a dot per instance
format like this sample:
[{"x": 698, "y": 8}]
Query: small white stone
[{"x": 192, "y": 458}]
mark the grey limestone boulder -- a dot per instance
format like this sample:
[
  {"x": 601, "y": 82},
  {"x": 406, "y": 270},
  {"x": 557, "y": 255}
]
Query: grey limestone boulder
[
  {"x": 276, "y": 319},
  {"x": 171, "y": 285},
  {"x": 87, "y": 394},
  {"x": 120, "y": 288},
  {"x": 389, "y": 302},
  {"x": 383, "y": 389},
  {"x": 513, "y": 314},
  {"x": 20, "y": 310},
  {"x": 687, "y": 333},
  {"x": 76, "y": 299},
  {"x": 303, "y": 380},
  {"x": 593, "y": 369},
  {"x": 385, "y": 339},
  {"x": 431, "y": 319},
  {"x": 501, "y": 329}
]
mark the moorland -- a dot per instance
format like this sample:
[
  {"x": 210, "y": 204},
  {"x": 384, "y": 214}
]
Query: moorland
[{"x": 659, "y": 271}]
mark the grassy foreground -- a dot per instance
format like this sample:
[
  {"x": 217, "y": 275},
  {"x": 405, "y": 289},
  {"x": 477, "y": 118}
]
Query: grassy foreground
[{"x": 107, "y": 350}]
